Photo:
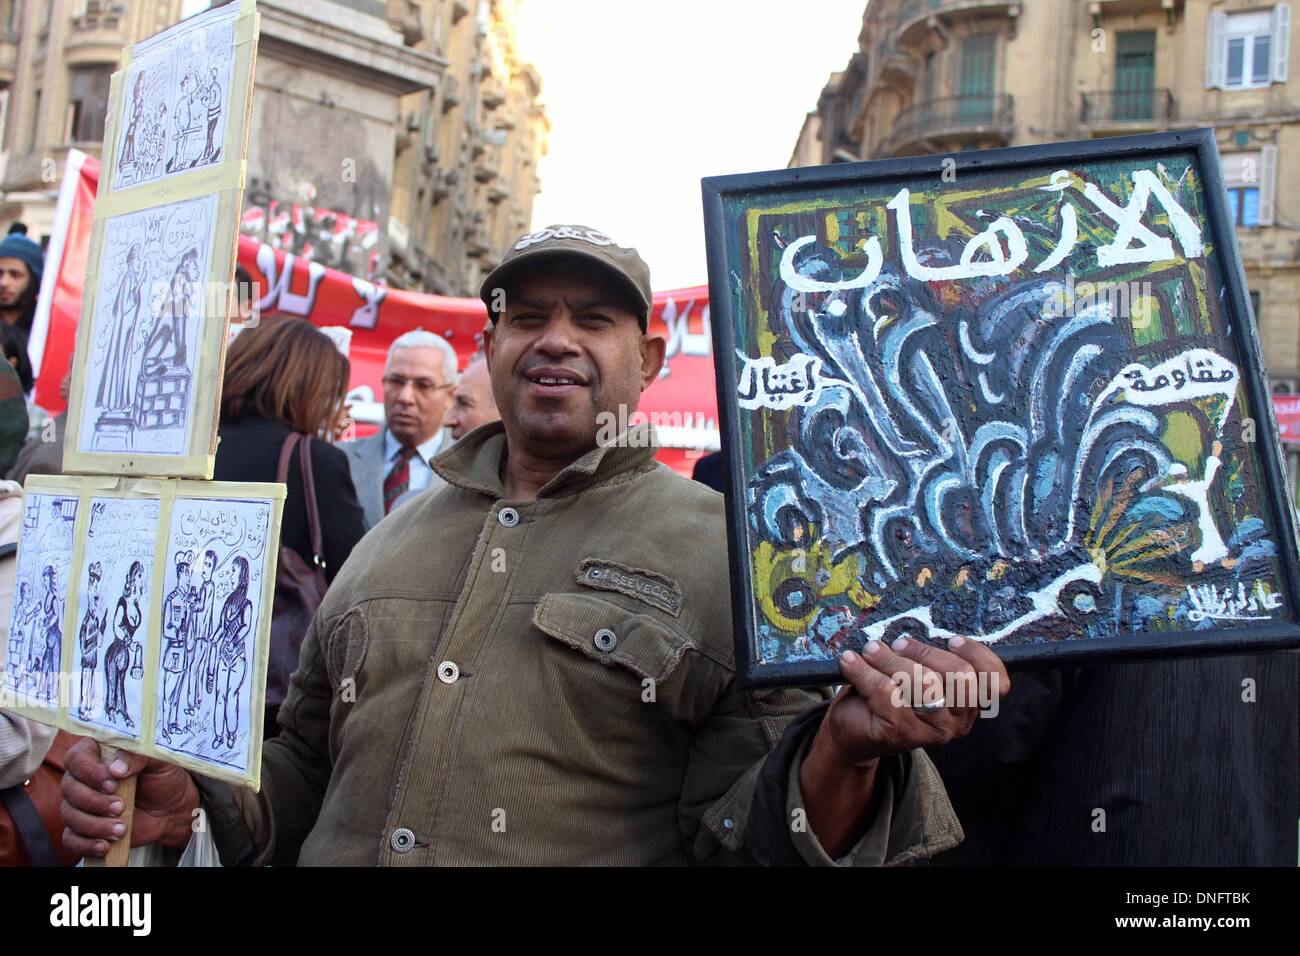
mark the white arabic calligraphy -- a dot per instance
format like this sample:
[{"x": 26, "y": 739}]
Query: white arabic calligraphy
[
  {"x": 984, "y": 255},
  {"x": 1209, "y": 604},
  {"x": 764, "y": 384}
]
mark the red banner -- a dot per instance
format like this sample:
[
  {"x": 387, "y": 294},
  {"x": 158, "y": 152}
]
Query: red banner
[
  {"x": 1287, "y": 410},
  {"x": 682, "y": 404}
]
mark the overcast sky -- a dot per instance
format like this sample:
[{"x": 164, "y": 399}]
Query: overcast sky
[{"x": 647, "y": 97}]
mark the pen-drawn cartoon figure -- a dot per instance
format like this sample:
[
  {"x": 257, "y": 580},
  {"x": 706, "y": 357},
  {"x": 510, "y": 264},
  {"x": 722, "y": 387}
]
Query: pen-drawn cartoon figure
[
  {"x": 176, "y": 615},
  {"x": 117, "y": 659},
  {"x": 116, "y": 382},
  {"x": 93, "y": 623},
  {"x": 203, "y": 661},
  {"x": 40, "y": 580},
  {"x": 153, "y": 143},
  {"x": 128, "y": 157},
  {"x": 211, "y": 98},
  {"x": 23, "y": 631},
  {"x": 52, "y": 630},
  {"x": 236, "y": 620},
  {"x": 166, "y": 346},
  {"x": 188, "y": 119}
]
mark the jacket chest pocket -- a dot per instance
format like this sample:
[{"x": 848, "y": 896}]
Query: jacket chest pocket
[
  {"x": 611, "y": 635},
  {"x": 615, "y": 661}
]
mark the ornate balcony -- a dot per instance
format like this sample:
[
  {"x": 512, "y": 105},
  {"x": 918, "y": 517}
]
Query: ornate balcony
[
  {"x": 1126, "y": 111},
  {"x": 913, "y": 17},
  {"x": 951, "y": 123}
]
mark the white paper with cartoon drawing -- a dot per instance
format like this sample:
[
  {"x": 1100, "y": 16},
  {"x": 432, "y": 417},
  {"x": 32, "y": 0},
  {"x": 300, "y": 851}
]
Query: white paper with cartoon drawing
[
  {"x": 113, "y": 608},
  {"x": 34, "y": 658},
  {"x": 212, "y": 600},
  {"x": 144, "y": 345},
  {"x": 177, "y": 100}
]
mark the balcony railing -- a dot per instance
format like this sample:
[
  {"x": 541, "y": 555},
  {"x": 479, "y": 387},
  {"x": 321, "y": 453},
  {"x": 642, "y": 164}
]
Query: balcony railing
[
  {"x": 953, "y": 115},
  {"x": 1127, "y": 106}
]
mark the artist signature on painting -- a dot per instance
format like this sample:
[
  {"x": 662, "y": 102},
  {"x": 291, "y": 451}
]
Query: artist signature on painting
[{"x": 1209, "y": 603}]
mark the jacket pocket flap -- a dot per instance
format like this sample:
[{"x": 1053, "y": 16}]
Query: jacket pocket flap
[{"x": 610, "y": 634}]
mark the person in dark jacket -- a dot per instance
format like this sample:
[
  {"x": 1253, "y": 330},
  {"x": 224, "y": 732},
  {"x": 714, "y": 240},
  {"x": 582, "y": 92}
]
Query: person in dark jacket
[
  {"x": 1167, "y": 763},
  {"x": 281, "y": 378}
]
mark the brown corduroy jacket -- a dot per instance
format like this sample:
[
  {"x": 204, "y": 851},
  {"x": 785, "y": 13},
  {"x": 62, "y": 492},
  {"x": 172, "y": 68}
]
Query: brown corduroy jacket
[{"x": 545, "y": 682}]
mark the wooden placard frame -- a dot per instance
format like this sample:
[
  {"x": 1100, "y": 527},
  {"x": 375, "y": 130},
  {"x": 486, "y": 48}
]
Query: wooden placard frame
[
  {"x": 224, "y": 180},
  {"x": 167, "y": 492}
]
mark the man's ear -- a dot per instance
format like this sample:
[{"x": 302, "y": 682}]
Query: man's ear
[
  {"x": 652, "y": 358},
  {"x": 488, "y": 335}
]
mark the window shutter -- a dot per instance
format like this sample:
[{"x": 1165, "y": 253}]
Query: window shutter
[
  {"x": 1281, "y": 41},
  {"x": 1214, "y": 51},
  {"x": 1267, "y": 184}
]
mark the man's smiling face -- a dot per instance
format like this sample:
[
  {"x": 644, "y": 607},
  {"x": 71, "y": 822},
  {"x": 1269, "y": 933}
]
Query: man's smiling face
[{"x": 567, "y": 347}]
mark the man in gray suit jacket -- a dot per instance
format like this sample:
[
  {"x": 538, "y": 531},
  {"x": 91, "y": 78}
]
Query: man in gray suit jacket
[{"x": 392, "y": 466}]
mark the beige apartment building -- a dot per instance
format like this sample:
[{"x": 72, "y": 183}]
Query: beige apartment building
[
  {"x": 393, "y": 139},
  {"x": 935, "y": 76}
]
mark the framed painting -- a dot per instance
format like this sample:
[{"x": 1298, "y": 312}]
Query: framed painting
[
  {"x": 142, "y": 615},
  {"x": 1013, "y": 395}
]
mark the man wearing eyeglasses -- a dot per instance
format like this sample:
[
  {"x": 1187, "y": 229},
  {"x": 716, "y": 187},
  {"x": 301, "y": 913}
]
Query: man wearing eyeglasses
[{"x": 392, "y": 466}]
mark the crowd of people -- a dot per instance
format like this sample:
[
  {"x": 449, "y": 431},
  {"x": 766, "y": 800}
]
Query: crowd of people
[{"x": 540, "y": 648}]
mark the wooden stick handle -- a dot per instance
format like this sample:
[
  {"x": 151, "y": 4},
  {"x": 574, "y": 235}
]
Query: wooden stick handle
[{"x": 119, "y": 851}]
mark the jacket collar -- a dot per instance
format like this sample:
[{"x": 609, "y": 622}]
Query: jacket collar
[{"x": 475, "y": 462}]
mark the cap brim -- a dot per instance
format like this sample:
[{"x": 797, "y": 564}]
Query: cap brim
[{"x": 503, "y": 274}]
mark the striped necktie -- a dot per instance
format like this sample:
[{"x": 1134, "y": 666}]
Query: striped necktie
[{"x": 399, "y": 479}]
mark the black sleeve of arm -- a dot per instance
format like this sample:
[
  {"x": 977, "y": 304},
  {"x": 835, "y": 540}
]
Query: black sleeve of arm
[
  {"x": 768, "y": 835},
  {"x": 342, "y": 520}
]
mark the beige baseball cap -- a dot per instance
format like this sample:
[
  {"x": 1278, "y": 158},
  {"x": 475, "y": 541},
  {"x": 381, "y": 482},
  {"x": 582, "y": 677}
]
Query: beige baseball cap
[{"x": 621, "y": 262}]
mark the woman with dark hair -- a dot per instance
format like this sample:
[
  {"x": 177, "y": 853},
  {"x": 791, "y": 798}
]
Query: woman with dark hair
[
  {"x": 232, "y": 635},
  {"x": 282, "y": 377},
  {"x": 117, "y": 659}
]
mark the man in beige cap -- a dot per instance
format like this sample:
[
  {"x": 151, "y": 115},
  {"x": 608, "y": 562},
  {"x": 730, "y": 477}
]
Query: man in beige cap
[{"x": 553, "y": 682}]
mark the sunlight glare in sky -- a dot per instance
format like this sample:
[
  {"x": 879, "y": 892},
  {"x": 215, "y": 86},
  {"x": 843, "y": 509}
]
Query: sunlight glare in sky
[{"x": 645, "y": 98}]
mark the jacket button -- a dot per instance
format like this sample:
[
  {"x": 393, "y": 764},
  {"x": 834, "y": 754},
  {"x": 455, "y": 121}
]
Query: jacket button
[
  {"x": 448, "y": 672},
  {"x": 605, "y": 640},
  {"x": 508, "y": 517},
  {"x": 402, "y": 840}
]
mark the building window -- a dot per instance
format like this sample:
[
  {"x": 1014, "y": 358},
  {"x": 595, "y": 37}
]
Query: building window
[
  {"x": 1248, "y": 50},
  {"x": 1250, "y": 179},
  {"x": 1243, "y": 202},
  {"x": 976, "y": 80},
  {"x": 87, "y": 103}
]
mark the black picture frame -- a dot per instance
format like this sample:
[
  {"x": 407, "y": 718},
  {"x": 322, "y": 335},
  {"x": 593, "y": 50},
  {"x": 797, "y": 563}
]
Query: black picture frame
[{"x": 725, "y": 285}]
